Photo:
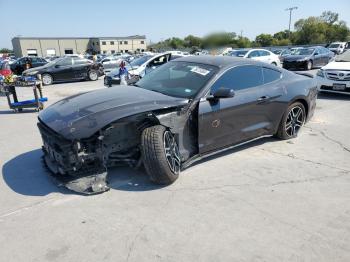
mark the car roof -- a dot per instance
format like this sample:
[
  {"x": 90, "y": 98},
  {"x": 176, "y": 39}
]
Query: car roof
[{"x": 219, "y": 61}]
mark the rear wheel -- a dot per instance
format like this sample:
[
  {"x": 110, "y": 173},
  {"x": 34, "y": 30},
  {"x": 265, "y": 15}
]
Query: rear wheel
[
  {"x": 292, "y": 121},
  {"x": 47, "y": 79},
  {"x": 274, "y": 63},
  {"x": 93, "y": 75},
  {"x": 160, "y": 154},
  {"x": 309, "y": 65}
]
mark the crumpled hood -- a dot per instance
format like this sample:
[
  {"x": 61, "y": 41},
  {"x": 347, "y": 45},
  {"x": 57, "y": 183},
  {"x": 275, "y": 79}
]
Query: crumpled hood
[
  {"x": 82, "y": 115},
  {"x": 292, "y": 58}
]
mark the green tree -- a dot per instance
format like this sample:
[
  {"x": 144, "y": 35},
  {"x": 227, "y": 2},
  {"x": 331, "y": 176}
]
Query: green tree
[
  {"x": 322, "y": 29},
  {"x": 264, "y": 40},
  {"x": 193, "y": 41},
  {"x": 5, "y": 51}
]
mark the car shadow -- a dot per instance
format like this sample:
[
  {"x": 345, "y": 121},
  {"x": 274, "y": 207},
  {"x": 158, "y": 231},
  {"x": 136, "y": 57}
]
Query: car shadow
[
  {"x": 333, "y": 96},
  {"x": 24, "y": 111},
  {"x": 237, "y": 149},
  {"x": 26, "y": 174}
]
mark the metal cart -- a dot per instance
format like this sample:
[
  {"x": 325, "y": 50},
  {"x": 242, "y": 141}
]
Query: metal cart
[{"x": 37, "y": 103}]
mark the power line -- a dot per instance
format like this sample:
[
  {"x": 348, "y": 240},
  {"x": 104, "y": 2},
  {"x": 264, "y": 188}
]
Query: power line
[{"x": 290, "y": 9}]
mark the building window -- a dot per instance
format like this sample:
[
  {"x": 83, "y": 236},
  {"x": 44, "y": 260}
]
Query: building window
[
  {"x": 121, "y": 51},
  {"x": 121, "y": 42},
  {"x": 97, "y": 43},
  {"x": 126, "y": 51},
  {"x": 50, "y": 52},
  {"x": 68, "y": 51},
  {"x": 113, "y": 51},
  {"x": 103, "y": 42},
  {"x": 32, "y": 52},
  {"x": 93, "y": 43},
  {"x": 112, "y": 42},
  {"x": 125, "y": 42},
  {"x": 142, "y": 42},
  {"x": 105, "y": 52}
]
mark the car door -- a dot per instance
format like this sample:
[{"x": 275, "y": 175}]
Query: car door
[
  {"x": 62, "y": 70},
  {"x": 255, "y": 55},
  {"x": 233, "y": 120},
  {"x": 318, "y": 58},
  {"x": 272, "y": 90},
  {"x": 265, "y": 56},
  {"x": 80, "y": 68}
]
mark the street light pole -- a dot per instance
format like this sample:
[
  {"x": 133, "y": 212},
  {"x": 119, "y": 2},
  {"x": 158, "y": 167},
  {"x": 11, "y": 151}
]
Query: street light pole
[{"x": 290, "y": 9}]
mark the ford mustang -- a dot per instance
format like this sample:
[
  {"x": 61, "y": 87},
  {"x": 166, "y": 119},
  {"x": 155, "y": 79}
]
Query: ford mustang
[{"x": 183, "y": 111}]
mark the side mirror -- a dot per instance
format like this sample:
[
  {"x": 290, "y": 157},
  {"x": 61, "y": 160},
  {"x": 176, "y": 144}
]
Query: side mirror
[
  {"x": 222, "y": 92},
  {"x": 316, "y": 53},
  {"x": 57, "y": 66}
]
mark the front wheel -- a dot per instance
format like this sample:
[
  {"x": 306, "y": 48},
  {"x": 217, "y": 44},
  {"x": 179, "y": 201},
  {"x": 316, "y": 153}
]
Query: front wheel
[
  {"x": 292, "y": 121},
  {"x": 160, "y": 154},
  {"x": 93, "y": 75},
  {"x": 308, "y": 65},
  {"x": 47, "y": 79}
]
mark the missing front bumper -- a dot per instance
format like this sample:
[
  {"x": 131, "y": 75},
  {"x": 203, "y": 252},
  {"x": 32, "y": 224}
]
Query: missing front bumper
[{"x": 91, "y": 182}]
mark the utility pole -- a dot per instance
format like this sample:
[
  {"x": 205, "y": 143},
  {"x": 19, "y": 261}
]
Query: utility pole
[
  {"x": 290, "y": 9},
  {"x": 241, "y": 33}
]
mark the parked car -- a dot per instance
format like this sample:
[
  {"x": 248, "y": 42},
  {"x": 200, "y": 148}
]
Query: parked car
[
  {"x": 335, "y": 77},
  {"x": 183, "y": 111},
  {"x": 138, "y": 68},
  {"x": 67, "y": 69},
  {"x": 308, "y": 58},
  {"x": 337, "y": 47},
  {"x": 110, "y": 63},
  {"x": 26, "y": 62},
  {"x": 261, "y": 55}
]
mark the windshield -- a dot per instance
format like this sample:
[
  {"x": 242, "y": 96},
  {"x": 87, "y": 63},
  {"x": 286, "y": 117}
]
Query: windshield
[
  {"x": 303, "y": 51},
  {"x": 239, "y": 53},
  {"x": 334, "y": 46},
  {"x": 178, "y": 79},
  {"x": 344, "y": 57},
  {"x": 139, "y": 61}
]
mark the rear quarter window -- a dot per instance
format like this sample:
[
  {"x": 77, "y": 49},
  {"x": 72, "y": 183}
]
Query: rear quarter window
[{"x": 270, "y": 75}]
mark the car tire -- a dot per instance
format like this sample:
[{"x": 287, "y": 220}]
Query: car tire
[
  {"x": 160, "y": 155},
  {"x": 46, "y": 79},
  {"x": 292, "y": 122},
  {"x": 274, "y": 63},
  {"x": 308, "y": 65},
  {"x": 93, "y": 75}
]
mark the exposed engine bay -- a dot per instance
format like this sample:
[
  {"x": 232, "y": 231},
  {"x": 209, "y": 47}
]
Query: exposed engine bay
[{"x": 81, "y": 165}]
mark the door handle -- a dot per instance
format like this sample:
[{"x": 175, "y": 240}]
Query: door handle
[{"x": 263, "y": 98}]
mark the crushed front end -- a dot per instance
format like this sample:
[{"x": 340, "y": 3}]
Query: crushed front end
[{"x": 77, "y": 165}]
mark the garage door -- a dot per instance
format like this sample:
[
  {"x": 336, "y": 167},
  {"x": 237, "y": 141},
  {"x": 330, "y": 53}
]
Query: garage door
[
  {"x": 32, "y": 52},
  {"x": 50, "y": 52}
]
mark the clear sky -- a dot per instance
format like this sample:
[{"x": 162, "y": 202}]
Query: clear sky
[{"x": 156, "y": 19}]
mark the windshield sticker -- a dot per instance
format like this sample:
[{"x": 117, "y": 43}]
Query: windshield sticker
[
  {"x": 188, "y": 90},
  {"x": 200, "y": 71}
]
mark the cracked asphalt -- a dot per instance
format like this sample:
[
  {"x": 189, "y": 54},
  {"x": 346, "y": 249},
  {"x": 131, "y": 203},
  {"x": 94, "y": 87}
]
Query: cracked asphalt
[{"x": 270, "y": 200}]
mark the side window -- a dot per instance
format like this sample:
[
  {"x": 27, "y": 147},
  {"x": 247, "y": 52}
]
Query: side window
[
  {"x": 80, "y": 61},
  {"x": 254, "y": 54},
  {"x": 241, "y": 77},
  {"x": 264, "y": 53},
  {"x": 158, "y": 61},
  {"x": 270, "y": 75},
  {"x": 65, "y": 62},
  {"x": 36, "y": 60}
]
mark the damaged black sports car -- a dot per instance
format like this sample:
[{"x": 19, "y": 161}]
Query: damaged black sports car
[{"x": 185, "y": 110}]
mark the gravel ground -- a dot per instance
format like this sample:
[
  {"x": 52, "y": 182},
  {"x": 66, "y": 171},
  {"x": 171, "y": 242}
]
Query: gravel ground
[{"x": 270, "y": 200}]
